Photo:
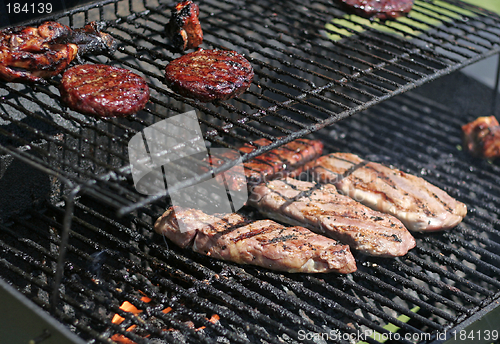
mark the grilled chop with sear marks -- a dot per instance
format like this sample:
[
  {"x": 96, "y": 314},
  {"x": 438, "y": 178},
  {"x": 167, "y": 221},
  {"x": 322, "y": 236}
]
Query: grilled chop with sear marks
[
  {"x": 323, "y": 210},
  {"x": 421, "y": 206},
  {"x": 263, "y": 243}
]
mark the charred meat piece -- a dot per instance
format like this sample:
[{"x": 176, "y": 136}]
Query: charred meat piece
[
  {"x": 276, "y": 163},
  {"x": 103, "y": 90},
  {"x": 324, "y": 211},
  {"x": 34, "y": 53},
  {"x": 482, "y": 137},
  {"x": 420, "y": 205},
  {"x": 382, "y": 9},
  {"x": 90, "y": 39},
  {"x": 209, "y": 75},
  {"x": 263, "y": 243},
  {"x": 184, "y": 27}
]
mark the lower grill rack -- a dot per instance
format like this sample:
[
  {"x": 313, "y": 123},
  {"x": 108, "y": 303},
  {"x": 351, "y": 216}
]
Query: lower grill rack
[{"x": 123, "y": 283}]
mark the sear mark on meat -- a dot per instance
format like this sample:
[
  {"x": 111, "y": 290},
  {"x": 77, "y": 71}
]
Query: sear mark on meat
[
  {"x": 381, "y": 9},
  {"x": 481, "y": 137},
  {"x": 420, "y": 205},
  {"x": 103, "y": 90},
  {"x": 32, "y": 54},
  {"x": 263, "y": 243},
  {"x": 324, "y": 211},
  {"x": 184, "y": 28},
  {"x": 209, "y": 75}
]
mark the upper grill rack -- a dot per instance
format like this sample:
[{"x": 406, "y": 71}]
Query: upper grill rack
[
  {"x": 448, "y": 278},
  {"x": 314, "y": 65}
]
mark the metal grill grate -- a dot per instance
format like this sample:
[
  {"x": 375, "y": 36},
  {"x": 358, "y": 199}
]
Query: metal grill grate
[
  {"x": 451, "y": 276},
  {"x": 314, "y": 66}
]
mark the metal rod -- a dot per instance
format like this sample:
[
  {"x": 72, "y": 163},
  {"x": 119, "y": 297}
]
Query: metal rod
[
  {"x": 68, "y": 215},
  {"x": 495, "y": 91}
]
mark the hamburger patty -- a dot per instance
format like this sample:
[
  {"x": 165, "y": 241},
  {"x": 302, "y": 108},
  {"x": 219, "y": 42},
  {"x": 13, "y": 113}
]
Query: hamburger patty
[
  {"x": 382, "y": 9},
  {"x": 209, "y": 75},
  {"x": 103, "y": 90}
]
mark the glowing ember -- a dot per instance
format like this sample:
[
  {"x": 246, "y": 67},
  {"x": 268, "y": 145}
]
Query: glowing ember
[
  {"x": 130, "y": 308},
  {"x": 127, "y": 307}
]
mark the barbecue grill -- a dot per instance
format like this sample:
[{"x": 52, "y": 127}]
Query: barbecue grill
[{"x": 77, "y": 238}]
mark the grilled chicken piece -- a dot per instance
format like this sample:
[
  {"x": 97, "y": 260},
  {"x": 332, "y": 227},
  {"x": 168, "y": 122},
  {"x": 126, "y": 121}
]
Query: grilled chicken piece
[
  {"x": 34, "y": 53},
  {"x": 421, "y": 206},
  {"x": 184, "y": 27},
  {"x": 263, "y": 243},
  {"x": 323, "y": 210},
  {"x": 482, "y": 137},
  {"x": 276, "y": 163}
]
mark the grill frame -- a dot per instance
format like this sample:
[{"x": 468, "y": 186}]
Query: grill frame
[
  {"x": 437, "y": 276},
  {"x": 248, "y": 115},
  {"x": 102, "y": 186}
]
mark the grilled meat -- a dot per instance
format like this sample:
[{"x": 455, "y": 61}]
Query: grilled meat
[
  {"x": 263, "y": 243},
  {"x": 209, "y": 75},
  {"x": 482, "y": 137},
  {"x": 103, "y": 90},
  {"x": 34, "y": 53},
  {"x": 90, "y": 39},
  {"x": 420, "y": 205},
  {"x": 323, "y": 210},
  {"x": 279, "y": 162},
  {"x": 276, "y": 163},
  {"x": 184, "y": 27},
  {"x": 382, "y": 9}
]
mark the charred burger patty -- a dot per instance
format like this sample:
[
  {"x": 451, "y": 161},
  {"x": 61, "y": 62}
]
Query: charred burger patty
[
  {"x": 209, "y": 75},
  {"x": 103, "y": 90},
  {"x": 382, "y": 9}
]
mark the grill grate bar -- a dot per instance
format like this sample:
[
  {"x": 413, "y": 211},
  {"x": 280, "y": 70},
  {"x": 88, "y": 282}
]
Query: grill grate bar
[
  {"x": 393, "y": 320},
  {"x": 310, "y": 53},
  {"x": 452, "y": 263},
  {"x": 300, "y": 289},
  {"x": 51, "y": 138},
  {"x": 313, "y": 311},
  {"x": 449, "y": 275},
  {"x": 492, "y": 254},
  {"x": 437, "y": 283},
  {"x": 110, "y": 289},
  {"x": 60, "y": 315},
  {"x": 380, "y": 42},
  {"x": 324, "y": 81},
  {"x": 445, "y": 30},
  {"x": 397, "y": 291},
  {"x": 468, "y": 258},
  {"x": 388, "y": 303},
  {"x": 380, "y": 66},
  {"x": 196, "y": 283},
  {"x": 41, "y": 284}
]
